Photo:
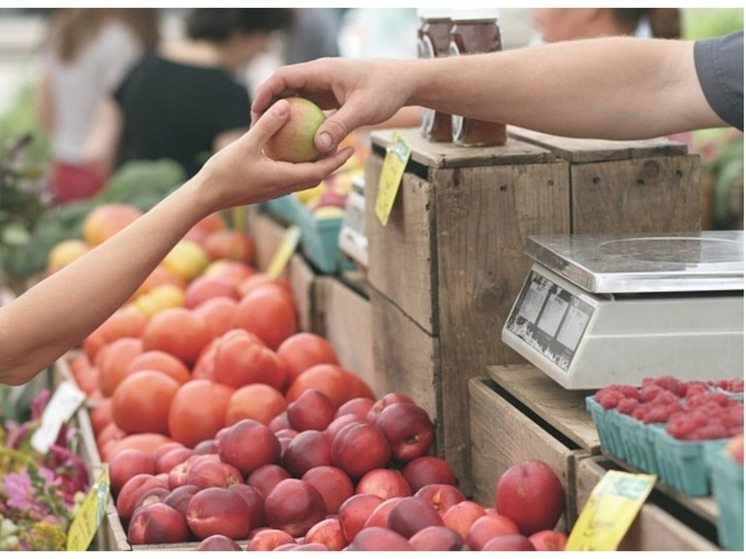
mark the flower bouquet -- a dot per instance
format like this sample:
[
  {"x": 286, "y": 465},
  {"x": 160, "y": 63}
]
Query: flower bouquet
[{"x": 39, "y": 493}]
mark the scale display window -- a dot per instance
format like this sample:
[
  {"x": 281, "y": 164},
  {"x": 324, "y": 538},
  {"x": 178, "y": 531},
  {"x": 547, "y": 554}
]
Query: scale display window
[{"x": 550, "y": 319}]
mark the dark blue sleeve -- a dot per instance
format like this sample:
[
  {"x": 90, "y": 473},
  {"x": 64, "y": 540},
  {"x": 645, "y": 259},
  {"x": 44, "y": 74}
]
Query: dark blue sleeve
[{"x": 719, "y": 64}]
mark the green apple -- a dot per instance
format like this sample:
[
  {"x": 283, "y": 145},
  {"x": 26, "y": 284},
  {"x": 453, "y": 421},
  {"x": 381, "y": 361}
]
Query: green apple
[{"x": 294, "y": 141}]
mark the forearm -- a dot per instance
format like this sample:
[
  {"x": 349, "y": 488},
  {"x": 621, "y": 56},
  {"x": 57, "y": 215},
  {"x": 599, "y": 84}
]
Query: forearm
[
  {"x": 616, "y": 88},
  {"x": 60, "y": 311}
]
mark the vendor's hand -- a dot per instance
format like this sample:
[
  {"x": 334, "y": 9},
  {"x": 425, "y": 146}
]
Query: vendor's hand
[
  {"x": 241, "y": 174},
  {"x": 365, "y": 92}
]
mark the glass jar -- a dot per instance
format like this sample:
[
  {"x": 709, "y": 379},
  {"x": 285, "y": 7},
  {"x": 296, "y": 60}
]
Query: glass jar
[
  {"x": 475, "y": 32},
  {"x": 433, "y": 41}
]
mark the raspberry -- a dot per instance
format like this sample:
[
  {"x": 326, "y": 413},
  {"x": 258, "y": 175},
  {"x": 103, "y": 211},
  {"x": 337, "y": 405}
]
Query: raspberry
[
  {"x": 627, "y": 405},
  {"x": 641, "y": 411},
  {"x": 665, "y": 397},
  {"x": 656, "y": 414},
  {"x": 708, "y": 432},
  {"x": 693, "y": 387},
  {"x": 649, "y": 392},
  {"x": 608, "y": 399},
  {"x": 669, "y": 383},
  {"x": 681, "y": 427}
]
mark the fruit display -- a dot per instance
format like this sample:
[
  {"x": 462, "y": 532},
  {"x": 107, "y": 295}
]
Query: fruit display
[{"x": 668, "y": 427}]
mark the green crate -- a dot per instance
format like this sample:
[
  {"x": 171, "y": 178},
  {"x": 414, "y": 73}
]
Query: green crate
[{"x": 726, "y": 478}]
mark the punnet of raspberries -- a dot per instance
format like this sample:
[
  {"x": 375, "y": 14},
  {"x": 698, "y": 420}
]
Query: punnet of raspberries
[{"x": 690, "y": 410}]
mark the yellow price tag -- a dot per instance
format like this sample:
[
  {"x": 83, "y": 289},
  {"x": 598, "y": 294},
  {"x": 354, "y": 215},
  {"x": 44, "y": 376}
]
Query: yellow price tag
[
  {"x": 282, "y": 256},
  {"x": 610, "y": 511},
  {"x": 397, "y": 156},
  {"x": 88, "y": 518}
]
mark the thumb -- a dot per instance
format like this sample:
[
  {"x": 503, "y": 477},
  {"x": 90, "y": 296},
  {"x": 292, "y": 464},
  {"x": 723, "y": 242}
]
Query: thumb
[
  {"x": 335, "y": 129},
  {"x": 271, "y": 121}
]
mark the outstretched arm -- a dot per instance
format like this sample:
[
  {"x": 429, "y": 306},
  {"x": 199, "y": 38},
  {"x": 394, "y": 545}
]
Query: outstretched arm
[
  {"x": 56, "y": 314},
  {"x": 614, "y": 88}
]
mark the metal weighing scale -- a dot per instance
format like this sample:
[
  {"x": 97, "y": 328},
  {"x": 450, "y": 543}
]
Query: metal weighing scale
[{"x": 601, "y": 309}]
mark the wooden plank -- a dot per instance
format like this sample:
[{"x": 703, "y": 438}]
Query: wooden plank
[
  {"x": 114, "y": 537},
  {"x": 502, "y": 436},
  {"x": 302, "y": 280},
  {"x": 647, "y": 195},
  {"x": 439, "y": 155},
  {"x": 406, "y": 359},
  {"x": 654, "y": 529},
  {"x": 401, "y": 254},
  {"x": 346, "y": 319},
  {"x": 563, "y": 409},
  {"x": 585, "y": 150}
]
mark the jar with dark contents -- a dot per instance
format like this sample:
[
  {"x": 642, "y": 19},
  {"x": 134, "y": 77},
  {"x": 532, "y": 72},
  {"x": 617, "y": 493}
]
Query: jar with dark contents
[
  {"x": 473, "y": 32},
  {"x": 433, "y": 41}
]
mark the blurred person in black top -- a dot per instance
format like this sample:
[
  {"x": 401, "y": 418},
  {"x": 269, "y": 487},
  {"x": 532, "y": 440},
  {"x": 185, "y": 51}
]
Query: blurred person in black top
[{"x": 185, "y": 101}]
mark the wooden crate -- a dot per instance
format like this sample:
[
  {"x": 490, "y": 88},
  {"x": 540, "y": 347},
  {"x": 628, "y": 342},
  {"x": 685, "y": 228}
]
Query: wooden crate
[
  {"x": 343, "y": 311},
  {"x": 550, "y": 426},
  {"x": 446, "y": 269}
]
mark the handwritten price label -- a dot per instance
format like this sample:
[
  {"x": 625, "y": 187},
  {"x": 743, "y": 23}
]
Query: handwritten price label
[
  {"x": 610, "y": 511},
  {"x": 397, "y": 156},
  {"x": 88, "y": 518},
  {"x": 285, "y": 251}
]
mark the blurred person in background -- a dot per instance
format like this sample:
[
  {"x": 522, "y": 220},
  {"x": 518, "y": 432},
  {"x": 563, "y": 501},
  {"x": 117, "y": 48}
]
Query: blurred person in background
[
  {"x": 186, "y": 101},
  {"x": 314, "y": 34},
  {"x": 86, "y": 53}
]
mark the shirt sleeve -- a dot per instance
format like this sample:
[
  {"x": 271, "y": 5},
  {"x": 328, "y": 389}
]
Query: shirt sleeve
[{"x": 719, "y": 65}]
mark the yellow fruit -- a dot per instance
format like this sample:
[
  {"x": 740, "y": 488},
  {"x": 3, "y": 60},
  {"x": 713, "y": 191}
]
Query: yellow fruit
[
  {"x": 159, "y": 298},
  {"x": 65, "y": 252},
  {"x": 187, "y": 259},
  {"x": 329, "y": 212},
  {"x": 308, "y": 195}
]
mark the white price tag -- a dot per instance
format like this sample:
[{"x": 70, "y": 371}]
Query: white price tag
[{"x": 64, "y": 403}]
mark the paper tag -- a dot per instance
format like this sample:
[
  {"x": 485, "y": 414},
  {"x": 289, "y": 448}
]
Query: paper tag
[
  {"x": 610, "y": 511},
  {"x": 86, "y": 522},
  {"x": 62, "y": 405},
  {"x": 285, "y": 251},
  {"x": 397, "y": 156}
]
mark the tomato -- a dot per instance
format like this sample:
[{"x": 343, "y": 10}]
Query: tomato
[
  {"x": 269, "y": 312},
  {"x": 197, "y": 411},
  {"x": 141, "y": 402},
  {"x": 303, "y": 350}
]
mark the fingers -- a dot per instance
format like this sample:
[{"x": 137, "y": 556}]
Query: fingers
[
  {"x": 270, "y": 121},
  {"x": 303, "y": 175}
]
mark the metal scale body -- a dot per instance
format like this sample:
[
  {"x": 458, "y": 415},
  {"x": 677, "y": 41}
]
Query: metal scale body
[{"x": 601, "y": 309}]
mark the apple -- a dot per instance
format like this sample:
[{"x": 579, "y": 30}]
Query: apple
[
  {"x": 307, "y": 450},
  {"x": 268, "y": 539},
  {"x": 437, "y": 538},
  {"x": 376, "y": 538},
  {"x": 311, "y": 410},
  {"x": 218, "y": 542},
  {"x": 549, "y": 540},
  {"x": 384, "y": 482},
  {"x": 217, "y": 510},
  {"x": 408, "y": 429},
  {"x": 412, "y": 514},
  {"x": 531, "y": 495},
  {"x": 427, "y": 469},
  {"x": 354, "y": 513},
  {"x": 157, "y": 523},
  {"x": 359, "y": 448},
  {"x": 248, "y": 444},
  {"x": 294, "y": 142},
  {"x": 333, "y": 483},
  {"x": 294, "y": 506},
  {"x": 327, "y": 532}
]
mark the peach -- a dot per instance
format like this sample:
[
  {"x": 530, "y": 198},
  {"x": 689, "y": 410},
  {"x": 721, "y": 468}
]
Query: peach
[
  {"x": 549, "y": 540},
  {"x": 157, "y": 523},
  {"x": 307, "y": 450},
  {"x": 509, "y": 542},
  {"x": 425, "y": 470},
  {"x": 341, "y": 421},
  {"x": 217, "y": 510},
  {"x": 178, "y": 475},
  {"x": 311, "y": 410},
  {"x": 266, "y": 477},
  {"x": 327, "y": 532},
  {"x": 179, "y": 497},
  {"x": 354, "y": 512},
  {"x": 437, "y": 538},
  {"x": 151, "y": 496},
  {"x": 379, "y": 516},
  {"x": 255, "y": 501},
  {"x": 247, "y": 445},
  {"x": 294, "y": 506},
  {"x": 359, "y": 448},
  {"x": 384, "y": 482},
  {"x": 333, "y": 483},
  {"x": 408, "y": 429},
  {"x": 218, "y": 542},
  {"x": 531, "y": 495},
  {"x": 127, "y": 464},
  {"x": 268, "y": 539},
  {"x": 131, "y": 492},
  {"x": 376, "y": 538},
  {"x": 387, "y": 400},
  {"x": 172, "y": 458},
  {"x": 487, "y": 527},
  {"x": 412, "y": 514},
  {"x": 208, "y": 473},
  {"x": 440, "y": 496},
  {"x": 359, "y": 406},
  {"x": 461, "y": 516}
]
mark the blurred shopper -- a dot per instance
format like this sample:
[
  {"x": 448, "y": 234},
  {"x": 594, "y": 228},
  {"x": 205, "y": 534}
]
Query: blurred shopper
[
  {"x": 86, "y": 54},
  {"x": 57, "y": 313},
  {"x": 314, "y": 34},
  {"x": 185, "y": 101}
]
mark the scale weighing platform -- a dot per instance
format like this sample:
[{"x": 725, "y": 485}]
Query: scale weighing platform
[{"x": 602, "y": 309}]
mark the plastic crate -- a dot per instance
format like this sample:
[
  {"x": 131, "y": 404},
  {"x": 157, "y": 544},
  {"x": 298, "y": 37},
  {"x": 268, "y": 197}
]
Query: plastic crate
[{"x": 726, "y": 478}]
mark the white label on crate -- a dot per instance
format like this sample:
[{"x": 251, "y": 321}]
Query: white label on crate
[{"x": 64, "y": 403}]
